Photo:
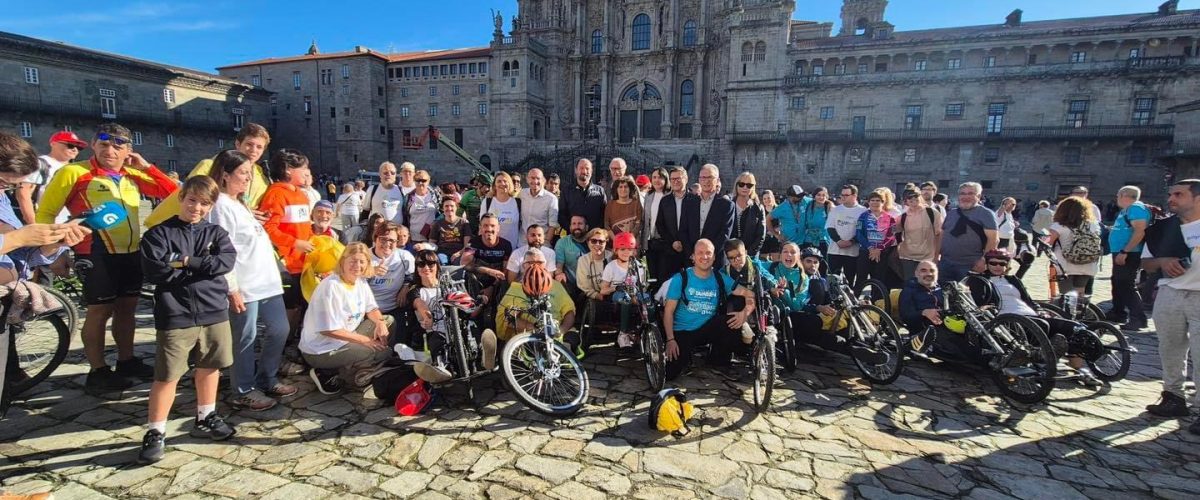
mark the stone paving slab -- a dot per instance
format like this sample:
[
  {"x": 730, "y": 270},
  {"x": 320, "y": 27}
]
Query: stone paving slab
[{"x": 938, "y": 432}]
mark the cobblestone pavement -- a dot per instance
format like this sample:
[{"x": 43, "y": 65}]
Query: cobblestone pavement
[{"x": 937, "y": 432}]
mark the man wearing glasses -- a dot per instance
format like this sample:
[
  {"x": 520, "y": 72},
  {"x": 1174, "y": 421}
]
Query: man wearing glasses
[
  {"x": 708, "y": 216},
  {"x": 386, "y": 198},
  {"x": 842, "y": 226},
  {"x": 111, "y": 287},
  {"x": 64, "y": 147},
  {"x": 669, "y": 251},
  {"x": 969, "y": 231}
]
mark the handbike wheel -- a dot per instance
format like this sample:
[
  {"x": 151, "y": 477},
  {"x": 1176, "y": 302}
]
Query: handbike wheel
[
  {"x": 762, "y": 364},
  {"x": 549, "y": 381},
  {"x": 1112, "y": 362},
  {"x": 876, "y": 291},
  {"x": 875, "y": 344},
  {"x": 42, "y": 344},
  {"x": 785, "y": 349},
  {"x": 1091, "y": 312},
  {"x": 1028, "y": 363},
  {"x": 655, "y": 356}
]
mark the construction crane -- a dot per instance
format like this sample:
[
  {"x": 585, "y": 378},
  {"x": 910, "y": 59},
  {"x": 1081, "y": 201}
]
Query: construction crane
[{"x": 418, "y": 142}]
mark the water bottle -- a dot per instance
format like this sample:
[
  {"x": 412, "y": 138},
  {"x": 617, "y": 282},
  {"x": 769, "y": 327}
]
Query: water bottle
[{"x": 1071, "y": 303}]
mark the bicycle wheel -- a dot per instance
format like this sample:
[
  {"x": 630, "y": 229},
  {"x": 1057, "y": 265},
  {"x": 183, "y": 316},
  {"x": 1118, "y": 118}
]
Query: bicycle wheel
[
  {"x": 550, "y": 382},
  {"x": 1110, "y": 359},
  {"x": 69, "y": 307},
  {"x": 875, "y": 344},
  {"x": 655, "y": 356},
  {"x": 1027, "y": 365},
  {"x": 784, "y": 346},
  {"x": 42, "y": 344},
  {"x": 1091, "y": 312},
  {"x": 762, "y": 364},
  {"x": 875, "y": 292}
]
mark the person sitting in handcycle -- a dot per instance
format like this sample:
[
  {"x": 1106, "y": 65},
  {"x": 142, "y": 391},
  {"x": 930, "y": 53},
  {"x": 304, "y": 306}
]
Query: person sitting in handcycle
[
  {"x": 1008, "y": 294},
  {"x": 428, "y": 299},
  {"x": 695, "y": 313},
  {"x": 616, "y": 282},
  {"x": 512, "y": 317},
  {"x": 806, "y": 294},
  {"x": 931, "y": 330},
  {"x": 749, "y": 273}
]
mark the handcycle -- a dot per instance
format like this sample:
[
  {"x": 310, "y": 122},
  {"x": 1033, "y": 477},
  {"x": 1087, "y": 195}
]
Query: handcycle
[
  {"x": 462, "y": 349},
  {"x": 1014, "y": 348},
  {"x": 650, "y": 337},
  {"x": 765, "y": 347},
  {"x": 541, "y": 370},
  {"x": 872, "y": 337}
]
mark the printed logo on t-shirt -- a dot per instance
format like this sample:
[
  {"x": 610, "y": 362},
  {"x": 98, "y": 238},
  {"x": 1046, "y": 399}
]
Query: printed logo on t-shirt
[{"x": 296, "y": 214}]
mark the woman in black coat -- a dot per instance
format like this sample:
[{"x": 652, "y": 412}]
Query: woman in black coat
[{"x": 749, "y": 224}]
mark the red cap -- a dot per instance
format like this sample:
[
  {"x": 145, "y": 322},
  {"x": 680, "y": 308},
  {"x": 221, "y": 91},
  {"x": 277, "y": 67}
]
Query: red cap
[
  {"x": 642, "y": 180},
  {"x": 69, "y": 138}
]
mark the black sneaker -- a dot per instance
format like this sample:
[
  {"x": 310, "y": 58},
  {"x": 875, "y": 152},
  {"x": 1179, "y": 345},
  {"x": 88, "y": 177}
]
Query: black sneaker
[
  {"x": 327, "y": 381},
  {"x": 135, "y": 368},
  {"x": 1171, "y": 405},
  {"x": 104, "y": 380},
  {"x": 1134, "y": 325},
  {"x": 212, "y": 427},
  {"x": 153, "y": 447},
  {"x": 923, "y": 340},
  {"x": 1195, "y": 427}
]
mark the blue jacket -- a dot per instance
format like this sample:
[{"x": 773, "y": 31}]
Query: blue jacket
[
  {"x": 915, "y": 298},
  {"x": 792, "y": 220}
]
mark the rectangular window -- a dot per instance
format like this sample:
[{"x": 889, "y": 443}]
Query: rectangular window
[
  {"x": 989, "y": 62},
  {"x": 327, "y": 77},
  {"x": 239, "y": 121},
  {"x": 797, "y": 102},
  {"x": 482, "y": 88},
  {"x": 453, "y": 69},
  {"x": 472, "y": 68},
  {"x": 862, "y": 67},
  {"x": 26, "y": 130},
  {"x": 404, "y": 111},
  {"x": 382, "y": 130},
  {"x": 256, "y": 80},
  {"x": 169, "y": 96},
  {"x": 170, "y": 140},
  {"x": 307, "y": 105},
  {"x": 1135, "y": 53},
  {"x": 107, "y": 93},
  {"x": 432, "y": 91},
  {"x": 921, "y": 65},
  {"x": 31, "y": 75},
  {"x": 483, "y": 68},
  {"x": 346, "y": 128},
  {"x": 172, "y": 165},
  {"x": 454, "y": 90},
  {"x": 1077, "y": 113},
  {"x": 462, "y": 68},
  {"x": 108, "y": 107},
  {"x": 1138, "y": 155},
  {"x": 881, "y": 67},
  {"x": 345, "y": 71},
  {"x": 1072, "y": 155},
  {"x": 455, "y": 109},
  {"x": 1078, "y": 57},
  {"x": 424, "y": 71},
  {"x": 827, "y": 112},
  {"x": 991, "y": 155},
  {"x": 910, "y": 155},
  {"x": 995, "y": 118},
  {"x": 296, "y": 80},
  {"x": 912, "y": 117},
  {"x": 954, "y": 111},
  {"x": 954, "y": 63},
  {"x": 332, "y": 112},
  {"x": 818, "y": 70},
  {"x": 137, "y": 138},
  {"x": 403, "y": 91},
  {"x": 433, "y": 109},
  {"x": 345, "y": 90},
  {"x": 1032, "y": 59},
  {"x": 408, "y": 72},
  {"x": 483, "y": 108},
  {"x": 346, "y": 112},
  {"x": 1143, "y": 110},
  {"x": 839, "y": 69},
  {"x": 382, "y": 113},
  {"x": 444, "y": 71}
]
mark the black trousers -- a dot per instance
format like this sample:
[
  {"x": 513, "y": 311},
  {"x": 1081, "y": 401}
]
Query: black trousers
[
  {"x": 715, "y": 332},
  {"x": 846, "y": 265},
  {"x": 1125, "y": 293},
  {"x": 806, "y": 329}
]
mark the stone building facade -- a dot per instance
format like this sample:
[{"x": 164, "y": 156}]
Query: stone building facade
[
  {"x": 1027, "y": 108},
  {"x": 178, "y": 116}
]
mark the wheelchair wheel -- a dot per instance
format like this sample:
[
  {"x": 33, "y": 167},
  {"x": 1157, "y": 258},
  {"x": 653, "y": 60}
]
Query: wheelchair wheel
[
  {"x": 1091, "y": 313},
  {"x": 655, "y": 356},
  {"x": 549, "y": 381},
  {"x": 784, "y": 345},
  {"x": 762, "y": 366},
  {"x": 1111, "y": 361},
  {"x": 1026, "y": 368},
  {"x": 42, "y": 344},
  {"x": 874, "y": 291},
  {"x": 875, "y": 344}
]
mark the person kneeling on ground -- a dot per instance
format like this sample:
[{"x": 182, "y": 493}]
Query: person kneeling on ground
[
  {"x": 692, "y": 317},
  {"x": 426, "y": 297},
  {"x": 343, "y": 328},
  {"x": 188, "y": 258}
]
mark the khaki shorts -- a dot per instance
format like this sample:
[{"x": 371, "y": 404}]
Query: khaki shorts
[
  {"x": 351, "y": 354},
  {"x": 211, "y": 344}
]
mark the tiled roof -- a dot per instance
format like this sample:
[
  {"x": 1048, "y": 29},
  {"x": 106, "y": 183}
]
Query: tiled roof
[
  {"x": 1024, "y": 30},
  {"x": 425, "y": 55},
  {"x": 309, "y": 57},
  {"x": 435, "y": 55}
]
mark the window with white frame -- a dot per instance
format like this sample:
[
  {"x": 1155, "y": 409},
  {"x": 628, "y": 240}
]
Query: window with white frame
[
  {"x": 345, "y": 71},
  {"x": 483, "y": 108},
  {"x": 1079, "y": 56},
  {"x": 910, "y": 155},
  {"x": 989, "y": 62},
  {"x": 921, "y": 65},
  {"x": 256, "y": 80},
  {"x": 169, "y": 96},
  {"x": 26, "y": 130},
  {"x": 953, "y": 63},
  {"x": 296, "y": 80},
  {"x": 455, "y": 109},
  {"x": 170, "y": 140},
  {"x": 433, "y": 109},
  {"x": 108, "y": 103},
  {"x": 137, "y": 138},
  {"x": 404, "y": 111},
  {"x": 31, "y": 75}
]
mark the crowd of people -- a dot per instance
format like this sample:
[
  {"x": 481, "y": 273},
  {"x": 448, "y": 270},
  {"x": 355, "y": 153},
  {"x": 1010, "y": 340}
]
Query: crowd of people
[{"x": 228, "y": 252}]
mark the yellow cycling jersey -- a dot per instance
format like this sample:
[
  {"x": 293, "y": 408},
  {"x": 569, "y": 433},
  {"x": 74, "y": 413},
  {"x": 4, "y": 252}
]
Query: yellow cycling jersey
[{"x": 170, "y": 206}]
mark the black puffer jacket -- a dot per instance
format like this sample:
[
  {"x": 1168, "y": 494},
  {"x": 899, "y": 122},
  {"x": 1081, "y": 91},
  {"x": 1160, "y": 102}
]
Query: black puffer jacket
[
  {"x": 751, "y": 228},
  {"x": 192, "y": 295}
]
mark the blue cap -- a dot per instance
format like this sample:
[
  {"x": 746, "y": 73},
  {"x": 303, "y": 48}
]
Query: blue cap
[{"x": 326, "y": 204}]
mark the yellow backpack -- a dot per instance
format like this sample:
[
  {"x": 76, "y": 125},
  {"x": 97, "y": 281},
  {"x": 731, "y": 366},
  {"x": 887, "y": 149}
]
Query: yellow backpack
[{"x": 670, "y": 411}]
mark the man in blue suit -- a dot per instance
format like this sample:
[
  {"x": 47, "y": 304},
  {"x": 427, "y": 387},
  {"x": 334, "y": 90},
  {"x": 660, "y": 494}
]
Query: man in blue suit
[{"x": 709, "y": 216}]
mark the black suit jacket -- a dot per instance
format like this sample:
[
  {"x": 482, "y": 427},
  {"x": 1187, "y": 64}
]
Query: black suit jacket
[
  {"x": 666, "y": 226},
  {"x": 717, "y": 227}
]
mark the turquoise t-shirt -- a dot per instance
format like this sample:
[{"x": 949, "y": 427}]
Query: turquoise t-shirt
[
  {"x": 1122, "y": 229},
  {"x": 702, "y": 299}
]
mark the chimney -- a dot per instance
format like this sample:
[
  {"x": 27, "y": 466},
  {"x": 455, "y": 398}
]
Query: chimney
[
  {"x": 1013, "y": 19},
  {"x": 1168, "y": 8},
  {"x": 359, "y": 49},
  {"x": 312, "y": 49}
]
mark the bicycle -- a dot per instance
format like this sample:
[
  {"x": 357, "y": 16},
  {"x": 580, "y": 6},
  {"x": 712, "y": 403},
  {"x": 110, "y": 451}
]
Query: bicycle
[
  {"x": 650, "y": 336},
  {"x": 541, "y": 370},
  {"x": 39, "y": 345},
  {"x": 872, "y": 334}
]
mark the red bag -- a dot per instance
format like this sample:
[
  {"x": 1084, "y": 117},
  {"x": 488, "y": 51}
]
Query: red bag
[{"x": 413, "y": 399}]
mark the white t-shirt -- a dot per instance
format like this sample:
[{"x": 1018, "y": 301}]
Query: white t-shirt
[
  {"x": 433, "y": 300},
  {"x": 1190, "y": 280},
  {"x": 421, "y": 211},
  {"x": 350, "y": 203},
  {"x": 1010, "y": 298},
  {"x": 844, "y": 220},
  {"x": 1005, "y": 225},
  {"x": 254, "y": 272},
  {"x": 400, "y": 265},
  {"x": 37, "y": 179},
  {"x": 387, "y": 201},
  {"x": 334, "y": 306},
  {"x": 407, "y": 190},
  {"x": 508, "y": 214},
  {"x": 518, "y": 257},
  {"x": 313, "y": 196},
  {"x": 1064, "y": 242},
  {"x": 614, "y": 274}
]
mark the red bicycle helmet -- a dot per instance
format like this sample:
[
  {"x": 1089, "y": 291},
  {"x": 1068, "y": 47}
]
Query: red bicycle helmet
[
  {"x": 625, "y": 240},
  {"x": 998, "y": 253}
]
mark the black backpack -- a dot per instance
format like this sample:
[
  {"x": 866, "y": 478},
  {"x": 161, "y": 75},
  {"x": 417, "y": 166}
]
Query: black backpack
[
  {"x": 904, "y": 217},
  {"x": 720, "y": 288}
]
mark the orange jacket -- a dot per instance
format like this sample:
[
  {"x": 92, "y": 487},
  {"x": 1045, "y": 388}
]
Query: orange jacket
[{"x": 289, "y": 218}]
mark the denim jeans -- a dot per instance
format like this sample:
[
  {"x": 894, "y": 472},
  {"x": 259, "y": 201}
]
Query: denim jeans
[
  {"x": 948, "y": 271},
  {"x": 246, "y": 373}
]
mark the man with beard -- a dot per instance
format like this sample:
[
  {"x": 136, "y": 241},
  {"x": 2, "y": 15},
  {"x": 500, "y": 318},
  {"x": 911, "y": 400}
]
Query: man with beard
[
  {"x": 921, "y": 310},
  {"x": 968, "y": 232},
  {"x": 568, "y": 250},
  {"x": 535, "y": 237},
  {"x": 582, "y": 197}
]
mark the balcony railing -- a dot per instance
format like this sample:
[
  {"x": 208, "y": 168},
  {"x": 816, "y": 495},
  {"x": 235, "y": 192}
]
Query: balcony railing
[
  {"x": 165, "y": 118},
  {"x": 1025, "y": 134},
  {"x": 1125, "y": 66}
]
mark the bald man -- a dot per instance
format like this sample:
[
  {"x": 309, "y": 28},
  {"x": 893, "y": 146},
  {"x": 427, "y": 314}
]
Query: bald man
[
  {"x": 694, "y": 314},
  {"x": 708, "y": 216}
]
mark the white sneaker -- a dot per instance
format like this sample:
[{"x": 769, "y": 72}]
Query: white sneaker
[
  {"x": 487, "y": 343},
  {"x": 747, "y": 334},
  {"x": 431, "y": 373}
]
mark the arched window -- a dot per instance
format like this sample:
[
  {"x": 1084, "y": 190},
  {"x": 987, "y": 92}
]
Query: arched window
[
  {"x": 760, "y": 51},
  {"x": 641, "y": 32},
  {"x": 689, "y": 34},
  {"x": 747, "y": 52},
  {"x": 516, "y": 65},
  {"x": 506, "y": 66},
  {"x": 630, "y": 94},
  {"x": 597, "y": 42},
  {"x": 651, "y": 92},
  {"x": 687, "y": 98}
]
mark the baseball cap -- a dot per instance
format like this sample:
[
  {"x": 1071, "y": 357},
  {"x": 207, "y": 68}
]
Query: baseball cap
[
  {"x": 326, "y": 204},
  {"x": 795, "y": 190},
  {"x": 642, "y": 180},
  {"x": 68, "y": 137}
]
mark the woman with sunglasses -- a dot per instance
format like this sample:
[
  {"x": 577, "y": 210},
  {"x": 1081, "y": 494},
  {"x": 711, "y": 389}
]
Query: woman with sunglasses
[
  {"x": 749, "y": 221},
  {"x": 428, "y": 301},
  {"x": 919, "y": 232},
  {"x": 421, "y": 207},
  {"x": 590, "y": 267}
]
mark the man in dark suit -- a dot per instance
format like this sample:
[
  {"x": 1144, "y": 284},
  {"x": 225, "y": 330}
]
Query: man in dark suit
[
  {"x": 708, "y": 216},
  {"x": 668, "y": 248},
  {"x": 582, "y": 198}
]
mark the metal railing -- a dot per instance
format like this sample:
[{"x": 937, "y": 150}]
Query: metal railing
[
  {"x": 1133, "y": 65},
  {"x": 1159, "y": 132}
]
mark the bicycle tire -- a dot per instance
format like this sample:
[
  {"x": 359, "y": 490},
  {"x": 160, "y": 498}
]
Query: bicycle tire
[
  {"x": 1043, "y": 361},
  {"x": 785, "y": 347},
  {"x": 41, "y": 348},
  {"x": 762, "y": 366},
  {"x": 655, "y": 356},
  {"x": 68, "y": 307},
  {"x": 884, "y": 339},
  {"x": 1120, "y": 352},
  {"x": 524, "y": 350},
  {"x": 879, "y": 292}
]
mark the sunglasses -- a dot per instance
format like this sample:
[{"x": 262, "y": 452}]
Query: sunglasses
[
  {"x": 998, "y": 263},
  {"x": 422, "y": 181},
  {"x": 69, "y": 145},
  {"x": 118, "y": 140},
  {"x": 390, "y": 241},
  {"x": 746, "y": 185},
  {"x": 597, "y": 241},
  {"x": 426, "y": 263}
]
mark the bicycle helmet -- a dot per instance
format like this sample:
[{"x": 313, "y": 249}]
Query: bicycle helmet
[
  {"x": 625, "y": 240},
  {"x": 537, "y": 282},
  {"x": 955, "y": 324},
  {"x": 810, "y": 252},
  {"x": 998, "y": 253}
]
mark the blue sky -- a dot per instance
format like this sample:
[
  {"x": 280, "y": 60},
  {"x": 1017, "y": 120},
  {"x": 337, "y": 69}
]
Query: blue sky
[{"x": 206, "y": 34}]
